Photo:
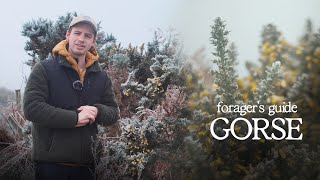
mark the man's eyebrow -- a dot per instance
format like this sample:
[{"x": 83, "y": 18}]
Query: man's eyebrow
[{"x": 89, "y": 34}]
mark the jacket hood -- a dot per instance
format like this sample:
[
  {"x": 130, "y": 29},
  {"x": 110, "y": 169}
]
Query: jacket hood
[{"x": 91, "y": 57}]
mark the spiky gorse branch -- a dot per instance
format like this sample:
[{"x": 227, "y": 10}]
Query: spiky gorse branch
[
  {"x": 308, "y": 54},
  {"x": 163, "y": 69},
  {"x": 174, "y": 97},
  {"x": 112, "y": 160},
  {"x": 270, "y": 34},
  {"x": 266, "y": 86},
  {"x": 119, "y": 60},
  {"x": 299, "y": 88},
  {"x": 225, "y": 76},
  {"x": 274, "y": 47},
  {"x": 225, "y": 59},
  {"x": 128, "y": 154},
  {"x": 43, "y": 35}
]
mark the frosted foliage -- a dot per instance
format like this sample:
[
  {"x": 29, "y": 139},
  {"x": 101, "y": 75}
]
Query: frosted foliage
[
  {"x": 225, "y": 59},
  {"x": 266, "y": 85}
]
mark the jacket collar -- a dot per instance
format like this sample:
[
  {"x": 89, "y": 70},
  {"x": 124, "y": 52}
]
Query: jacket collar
[{"x": 95, "y": 67}]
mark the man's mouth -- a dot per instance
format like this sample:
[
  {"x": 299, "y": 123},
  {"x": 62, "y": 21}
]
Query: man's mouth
[{"x": 79, "y": 45}]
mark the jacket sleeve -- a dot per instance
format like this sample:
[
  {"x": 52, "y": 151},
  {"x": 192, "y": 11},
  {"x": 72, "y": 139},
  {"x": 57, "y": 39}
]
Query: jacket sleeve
[
  {"x": 108, "y": 110},
  {"x": 36, "y": 107}
]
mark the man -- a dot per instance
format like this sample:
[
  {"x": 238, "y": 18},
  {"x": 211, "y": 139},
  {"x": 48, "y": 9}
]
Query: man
[{"x": 66, "y": 96}]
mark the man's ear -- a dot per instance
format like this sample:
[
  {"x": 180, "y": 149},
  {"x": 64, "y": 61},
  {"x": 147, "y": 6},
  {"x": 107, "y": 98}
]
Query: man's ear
[{"x": 67, "y": 35}]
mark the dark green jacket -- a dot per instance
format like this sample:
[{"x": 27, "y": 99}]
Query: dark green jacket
[{"x": 51, "y": 103}]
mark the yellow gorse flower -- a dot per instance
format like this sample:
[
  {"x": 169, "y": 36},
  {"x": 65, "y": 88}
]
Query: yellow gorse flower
[
  {"x": 299, "y": 51},
  {"x": 277, "y": 99}
]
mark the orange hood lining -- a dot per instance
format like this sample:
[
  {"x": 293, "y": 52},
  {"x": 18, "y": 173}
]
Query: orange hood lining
[{"x": 91, "y": 57}]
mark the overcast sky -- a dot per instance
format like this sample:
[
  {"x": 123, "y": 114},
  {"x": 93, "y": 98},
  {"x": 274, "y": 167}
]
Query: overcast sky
[{"x": 135, "y": 21}]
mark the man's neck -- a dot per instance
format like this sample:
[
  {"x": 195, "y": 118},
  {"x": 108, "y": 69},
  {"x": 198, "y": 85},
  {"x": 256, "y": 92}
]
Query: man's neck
[{"x": 81, "y": 62}]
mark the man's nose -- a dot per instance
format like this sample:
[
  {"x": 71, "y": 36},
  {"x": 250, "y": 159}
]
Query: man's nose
[{"x": 81, "y": 38}]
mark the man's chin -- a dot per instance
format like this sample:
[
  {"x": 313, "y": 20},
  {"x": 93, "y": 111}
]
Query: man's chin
[{"x": 79, "y": 54}]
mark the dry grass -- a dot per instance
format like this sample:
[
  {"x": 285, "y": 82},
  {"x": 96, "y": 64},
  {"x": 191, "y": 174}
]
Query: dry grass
[{"x": 15, "y": 144}]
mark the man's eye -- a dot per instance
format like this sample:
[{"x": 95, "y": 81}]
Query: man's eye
[{"x": 88, "y": 36}]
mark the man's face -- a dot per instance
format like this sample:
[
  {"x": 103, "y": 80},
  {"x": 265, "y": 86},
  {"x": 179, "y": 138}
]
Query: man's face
[{"x": 80, "y": 39}]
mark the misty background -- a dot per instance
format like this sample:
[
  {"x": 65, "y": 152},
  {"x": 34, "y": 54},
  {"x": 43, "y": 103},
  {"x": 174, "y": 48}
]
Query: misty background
[{"x": 135, "y": 22}]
